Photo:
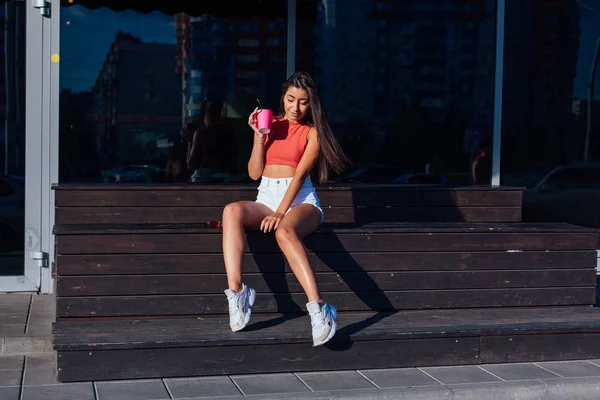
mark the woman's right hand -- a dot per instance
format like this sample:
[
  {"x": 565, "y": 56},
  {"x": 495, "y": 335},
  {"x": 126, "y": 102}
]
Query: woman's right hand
[{"x": 253, "y": 121}]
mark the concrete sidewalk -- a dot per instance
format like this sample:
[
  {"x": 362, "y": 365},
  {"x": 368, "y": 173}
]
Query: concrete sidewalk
[
  {"x": 28, "y": 371},
  {"x": 26, "y": 324},
  {"x": 33, "y": 377}
]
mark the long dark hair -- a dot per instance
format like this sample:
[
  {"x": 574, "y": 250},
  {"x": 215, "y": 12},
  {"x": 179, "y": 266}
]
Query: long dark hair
[{"x": 331, "y": 155}]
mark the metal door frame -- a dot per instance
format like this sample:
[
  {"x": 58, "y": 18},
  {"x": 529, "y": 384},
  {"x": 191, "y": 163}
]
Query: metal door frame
[{"x": 38, "y": 121}]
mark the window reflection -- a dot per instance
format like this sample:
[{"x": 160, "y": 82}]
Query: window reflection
[
  {"x": 134, "y": 84},
  {"x": 408, "y": 84},
  {"x": 408, "y": 87},
  {"x": 549, "y": 52}
]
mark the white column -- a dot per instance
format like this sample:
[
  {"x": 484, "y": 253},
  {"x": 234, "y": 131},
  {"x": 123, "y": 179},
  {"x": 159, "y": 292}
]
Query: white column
[
  {"x": 497, "y": 130},
  {"x": 291, "y": 38}
]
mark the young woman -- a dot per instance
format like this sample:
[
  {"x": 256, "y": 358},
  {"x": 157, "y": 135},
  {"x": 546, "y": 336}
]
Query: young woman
[{"x": 300, "y": 143}]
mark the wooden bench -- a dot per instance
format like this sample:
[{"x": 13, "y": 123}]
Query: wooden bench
[
  {"x": 136, "y": 286},
  {"x": 126, "y": 204}
]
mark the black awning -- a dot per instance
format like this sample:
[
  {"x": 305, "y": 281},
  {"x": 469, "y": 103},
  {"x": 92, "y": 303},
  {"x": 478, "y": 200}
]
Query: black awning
[{"x": 306, "y": 9}]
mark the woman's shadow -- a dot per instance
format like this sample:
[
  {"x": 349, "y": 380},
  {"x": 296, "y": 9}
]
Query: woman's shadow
[
  {"x": 358, "y": 281},
  {"x": 327, "y": 254},
  {"x": 275, "y": 271}
]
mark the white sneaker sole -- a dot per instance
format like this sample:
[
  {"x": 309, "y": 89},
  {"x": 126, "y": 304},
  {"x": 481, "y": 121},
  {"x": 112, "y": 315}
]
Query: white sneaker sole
[
  {"x": 331, "y": 334},
  {"x": 251, "y": 300}
]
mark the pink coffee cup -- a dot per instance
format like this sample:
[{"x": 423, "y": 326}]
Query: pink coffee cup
[{"x": 264, "y": 119}]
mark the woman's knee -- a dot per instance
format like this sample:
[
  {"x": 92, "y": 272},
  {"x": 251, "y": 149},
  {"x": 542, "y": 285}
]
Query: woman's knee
[
  {"x": 286, "y": 234},
  {"x": 233, "y": 212}
]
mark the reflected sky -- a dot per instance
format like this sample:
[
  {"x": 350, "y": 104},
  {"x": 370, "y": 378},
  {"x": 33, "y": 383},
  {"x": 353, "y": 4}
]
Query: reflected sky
[{"x": 86, "y": 36}]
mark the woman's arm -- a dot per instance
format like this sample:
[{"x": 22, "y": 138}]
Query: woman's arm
[
  {"x": 256, "y": 165},
  {"x": 306, "y": 164}
]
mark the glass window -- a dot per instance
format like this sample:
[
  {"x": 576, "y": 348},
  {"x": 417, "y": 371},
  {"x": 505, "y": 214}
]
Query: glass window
[
  {"x": 419, "y": 94},
  {"x": 6, "y": 189},
  {"x": 248, "y": 42},
  {"x": 131, "y": 81},
  {"x": 549, "y": 53},
  {"x": 12, "y": 136}
]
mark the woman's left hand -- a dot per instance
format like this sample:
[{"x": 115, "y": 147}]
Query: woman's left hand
[{"x": 271, "y": 222}]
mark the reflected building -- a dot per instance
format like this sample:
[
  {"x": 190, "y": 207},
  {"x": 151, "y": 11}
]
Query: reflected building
[
  {"x": 376, "y": 55},
  {"x": 235, "y": 59},
  {"x": 136, "y": 100},
  {"x": 542, "y": 38},
  {"x": 12, "y": 88},
  {"x": 229, "y": 59}
]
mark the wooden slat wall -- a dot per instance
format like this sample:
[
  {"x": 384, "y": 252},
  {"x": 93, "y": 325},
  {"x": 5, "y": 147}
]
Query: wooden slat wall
[
  {"x": 197, "y": 204},
  {"x": 120, "y": 274},
  {"x": 130, "y": 251}
]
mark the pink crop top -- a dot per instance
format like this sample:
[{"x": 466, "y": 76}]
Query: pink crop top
[{"x": 286, "y": 143}]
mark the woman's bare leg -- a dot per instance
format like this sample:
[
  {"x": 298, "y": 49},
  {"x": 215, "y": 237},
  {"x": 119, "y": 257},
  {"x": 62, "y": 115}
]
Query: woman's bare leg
[
  {"x": 298, "y": 223},
  {"x": 237, "y": 217}
]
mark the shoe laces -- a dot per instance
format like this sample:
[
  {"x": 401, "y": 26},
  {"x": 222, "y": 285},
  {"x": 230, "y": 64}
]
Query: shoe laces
[
  {"x": 318, "y": 319},
  {"x": 234, "y": 303}
]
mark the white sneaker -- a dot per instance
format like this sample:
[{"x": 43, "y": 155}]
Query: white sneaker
[
  {"x": 322, "y": 319},
  {"x": 239, "y": 307}
]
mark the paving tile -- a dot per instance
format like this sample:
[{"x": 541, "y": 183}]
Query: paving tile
[
  {"x": 10, "y": 393},
  {"x": 13, "y": 319},
  {"x": 14, "y": 303},
  {"x": 437, "y": 392},
  {"x": 39, "y": 330},
  {"x": 460, "y": 374},
  {"x": 12, "y": 330},
  {"x": 132, "y": 390},
  {"x": 518, "y": 371},
  {"x": 398, "y": 377},
  {"x": 335, "y": 380},
  {"x": 291, "y": 396},
  {"x": 571, "y": 369},
  {"x": 10, "y": 377},
  {"x": 67, "y": 391},
  {"x": 202, "y": 387},
  {"x": 27, "y": 345},
  {"x": 11, "y": 362},
  {"x": 572, "y": 388},
  {"x": 269, "y": 384},
  {"x": 40, "y": 369},
  {"x": 529, "y": 390},
  {"x": 43, "y": 306}
]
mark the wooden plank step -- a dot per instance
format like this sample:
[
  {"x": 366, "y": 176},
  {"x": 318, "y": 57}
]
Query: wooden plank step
[
  {"x": 343, "y": 204},
  {"x": 161, "y": 264},
  {"x": 373, "y": 267},
  {"x": 330, "y": 195},
  {"x": 380, "y": 227},
  {"x": 206, "y": 304},
  {"x": 465, "y": 237},
  {"x": 333, "y": 214},
  {"x": 127, "y": 285},
  {"x": 130, "y": 349},
  {"x": 263, "y": 329}
]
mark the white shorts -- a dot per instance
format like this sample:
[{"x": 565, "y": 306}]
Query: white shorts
[{"x": 271, "y": 192}]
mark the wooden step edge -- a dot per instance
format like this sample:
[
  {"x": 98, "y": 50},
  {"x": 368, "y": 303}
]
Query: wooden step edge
[
  {"x": 65, "y": 341},
  {"x": 253, "y": 186},
  {"x": 389, "y": 227}
]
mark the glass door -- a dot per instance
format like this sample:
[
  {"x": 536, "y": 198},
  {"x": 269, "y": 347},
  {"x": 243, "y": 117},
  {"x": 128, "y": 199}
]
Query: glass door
[{"x": 21, "y": 121}]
